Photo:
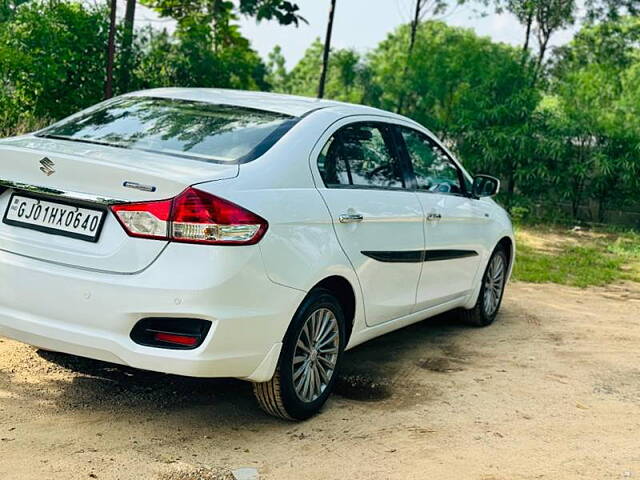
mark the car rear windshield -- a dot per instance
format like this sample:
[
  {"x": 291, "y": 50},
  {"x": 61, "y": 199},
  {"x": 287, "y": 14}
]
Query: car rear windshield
[{"x": 196, "y": 130}]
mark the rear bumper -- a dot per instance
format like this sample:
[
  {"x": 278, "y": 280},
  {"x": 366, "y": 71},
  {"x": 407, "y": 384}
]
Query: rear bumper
[{"x": 91, "y": 314}]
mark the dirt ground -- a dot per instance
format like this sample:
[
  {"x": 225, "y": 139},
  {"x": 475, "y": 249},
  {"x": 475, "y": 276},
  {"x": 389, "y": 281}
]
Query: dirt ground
[{"x": 551, "y": 391}]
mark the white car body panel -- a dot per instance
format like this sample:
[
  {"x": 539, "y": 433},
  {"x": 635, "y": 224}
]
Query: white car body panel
[
  {"x": 459, "y": 229},
  {"x": 249, "y": 293},
  {"x": 392, "y": 221}
]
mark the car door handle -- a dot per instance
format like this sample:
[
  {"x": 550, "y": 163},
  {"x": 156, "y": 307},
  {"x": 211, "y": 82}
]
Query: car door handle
[
  {"x": 350, "y": 218},
  {"x": 432, "y": 217}
]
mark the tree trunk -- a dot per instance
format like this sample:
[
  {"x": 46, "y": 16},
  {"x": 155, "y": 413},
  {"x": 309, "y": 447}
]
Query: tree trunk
[
  {"x": 111, "y": 50},
  {"x": 543, "y": 52},
  {"x": 327, "y": 49},
  {"x": 414, "y": 25},
  {"x": 412, "y": 43},
  {"x": 127, "y": 44},
  {"x": 527, "y": 38}
]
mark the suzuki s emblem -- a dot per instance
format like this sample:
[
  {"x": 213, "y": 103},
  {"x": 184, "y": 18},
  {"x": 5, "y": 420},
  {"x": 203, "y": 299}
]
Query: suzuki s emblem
[{"x": 47, "y": 166}]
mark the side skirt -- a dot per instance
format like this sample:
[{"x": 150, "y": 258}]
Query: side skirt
[{"x": 370, "y": 333}]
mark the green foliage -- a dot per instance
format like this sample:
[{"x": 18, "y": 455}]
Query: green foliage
[
  {"x": 207, "y": 49},
  {"x": 8, "y": 8},
  {"x": 52, "y": 57},
  {"x": 558, "y": 129},
  {"x": 213, "y": 19},
  {"x": 283, "y": 11},
  {"x": 186, "y": 59},
  {"x": 595, "y": 103},
  {"x": 611, "y": 9},
  {"x": 346, "y": 78},
  {"x": 475, "y": 94},
  {"x": 277, "y": 75}
]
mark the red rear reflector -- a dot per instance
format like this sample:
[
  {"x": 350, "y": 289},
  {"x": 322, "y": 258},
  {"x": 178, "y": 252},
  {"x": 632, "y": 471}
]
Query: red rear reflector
[
  {"x": 193, "y": 216},
  {"x": 176, "y": 339}
]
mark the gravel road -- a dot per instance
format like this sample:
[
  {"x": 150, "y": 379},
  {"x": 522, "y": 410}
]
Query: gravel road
[{"x": 551, "y": 391}]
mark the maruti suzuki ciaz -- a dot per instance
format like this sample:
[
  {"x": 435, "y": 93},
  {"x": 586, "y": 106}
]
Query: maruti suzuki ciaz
[{"x": 218, "y": 233}]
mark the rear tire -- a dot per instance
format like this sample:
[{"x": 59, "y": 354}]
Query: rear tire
[
  {"x": 494, "y": 279},
  {"x": 311, "y": 354}
]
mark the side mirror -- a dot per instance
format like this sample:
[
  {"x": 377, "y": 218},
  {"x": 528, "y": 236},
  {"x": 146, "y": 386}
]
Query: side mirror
[{"x": 485, "y": 186}]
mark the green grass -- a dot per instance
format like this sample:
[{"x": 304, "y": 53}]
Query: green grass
[{"x": 580, "y": 259}]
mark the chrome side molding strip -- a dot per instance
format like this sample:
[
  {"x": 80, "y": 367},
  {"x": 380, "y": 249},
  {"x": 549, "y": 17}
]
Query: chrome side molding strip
[{"x": 53, "y": 192}]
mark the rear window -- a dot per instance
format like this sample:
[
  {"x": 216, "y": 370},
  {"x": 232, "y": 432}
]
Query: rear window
[{"x": 196, "y": 130}]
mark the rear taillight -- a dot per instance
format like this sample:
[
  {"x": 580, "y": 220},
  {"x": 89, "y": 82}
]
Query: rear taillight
[
  {"x": 148, "y": 219},
  {"x": 193, "y": 216}
]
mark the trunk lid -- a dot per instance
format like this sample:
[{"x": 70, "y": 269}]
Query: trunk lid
[{"x": 92, "y": 176}]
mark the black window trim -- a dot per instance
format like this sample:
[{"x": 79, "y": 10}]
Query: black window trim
[
  {"x": 408, "y": 164},
  {"x": 389, "y": 135}
]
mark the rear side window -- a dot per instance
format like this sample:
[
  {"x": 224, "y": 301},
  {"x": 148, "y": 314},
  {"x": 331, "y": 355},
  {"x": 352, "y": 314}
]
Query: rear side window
[
  {"x": 433, "y": 169},
  {"x": 196, "y": 130},
  {"x": 360, "y": 155}
]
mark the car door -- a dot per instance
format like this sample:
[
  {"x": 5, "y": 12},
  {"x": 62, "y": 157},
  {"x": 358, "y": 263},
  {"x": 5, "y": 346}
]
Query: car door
[
  {"x": 378, "y": 221},
  {"x": 454, "y": 222}
]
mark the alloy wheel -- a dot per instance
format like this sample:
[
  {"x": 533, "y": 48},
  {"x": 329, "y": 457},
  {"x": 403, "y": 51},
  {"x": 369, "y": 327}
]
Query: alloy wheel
[
  {"x": 316, "y": 354},
  {"x": 494, "y": 285}
]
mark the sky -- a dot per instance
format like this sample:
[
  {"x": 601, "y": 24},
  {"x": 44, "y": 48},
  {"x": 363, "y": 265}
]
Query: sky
[{"x": 360, "y": 24}]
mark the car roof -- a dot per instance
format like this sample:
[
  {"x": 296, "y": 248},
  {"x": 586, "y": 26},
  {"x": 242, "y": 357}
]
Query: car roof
[{"x": 274, "y": 102}]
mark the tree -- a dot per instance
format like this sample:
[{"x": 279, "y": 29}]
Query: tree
[
  {"x": 52, "y": 59},
  {"x": 326, "y": 49},
  {"x": 186, "y": 59},
  {"x": 207, "y": 48},
  {"x": 277, "y": 76},
  {"x": 111, "y": 50},
  {"x": 473, "y": 93},
  {"x": 219, "y": 13},
  {"x": 8, "y": 8},
  {"x": 611, "y": 9},
  {"x": 126, "y": 61},
  {"x": 421, "y": 10},
  {"x": 542, "y": 19},
  {"x": 595, "y": 103},
  {"x": 347, "y": 75}
]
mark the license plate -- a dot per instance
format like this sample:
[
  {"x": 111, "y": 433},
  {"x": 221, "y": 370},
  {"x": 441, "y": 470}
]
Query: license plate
[{"x": 54, "y": 217}]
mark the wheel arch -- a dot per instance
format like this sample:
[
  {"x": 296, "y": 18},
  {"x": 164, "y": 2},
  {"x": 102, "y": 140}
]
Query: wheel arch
[
  {"x": 507, "y": 244},
  {"x": 342, "y": 289}
]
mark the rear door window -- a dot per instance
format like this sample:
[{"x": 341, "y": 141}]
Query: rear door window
[{"x": 361, "y": 155}]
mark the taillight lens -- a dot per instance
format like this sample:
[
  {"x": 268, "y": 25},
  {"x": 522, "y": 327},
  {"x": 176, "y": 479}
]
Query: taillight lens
[
  {"x": 193, "y": 216},
  {"x": 148, "y": 219}
]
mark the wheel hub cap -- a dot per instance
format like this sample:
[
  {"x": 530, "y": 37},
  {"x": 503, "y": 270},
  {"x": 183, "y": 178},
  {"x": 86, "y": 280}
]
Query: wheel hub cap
[
  {"x": 494, "y": 285},
  {"x": 316, "y": 354}
]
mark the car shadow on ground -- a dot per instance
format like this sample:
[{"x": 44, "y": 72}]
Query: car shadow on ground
[{"x": 371, "y": 372}]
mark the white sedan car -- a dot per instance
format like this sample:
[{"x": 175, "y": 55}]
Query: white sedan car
[{"x": 215, "y": 233}]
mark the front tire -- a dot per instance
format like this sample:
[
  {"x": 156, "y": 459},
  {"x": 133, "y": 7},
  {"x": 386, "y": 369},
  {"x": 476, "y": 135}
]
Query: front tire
[
  {"x": 311, "y": 353},
  {"x": 494, "y": 280}
]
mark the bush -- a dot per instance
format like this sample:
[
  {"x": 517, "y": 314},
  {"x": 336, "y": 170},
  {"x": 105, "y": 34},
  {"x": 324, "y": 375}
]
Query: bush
[{"x": 52, "y": 60}]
